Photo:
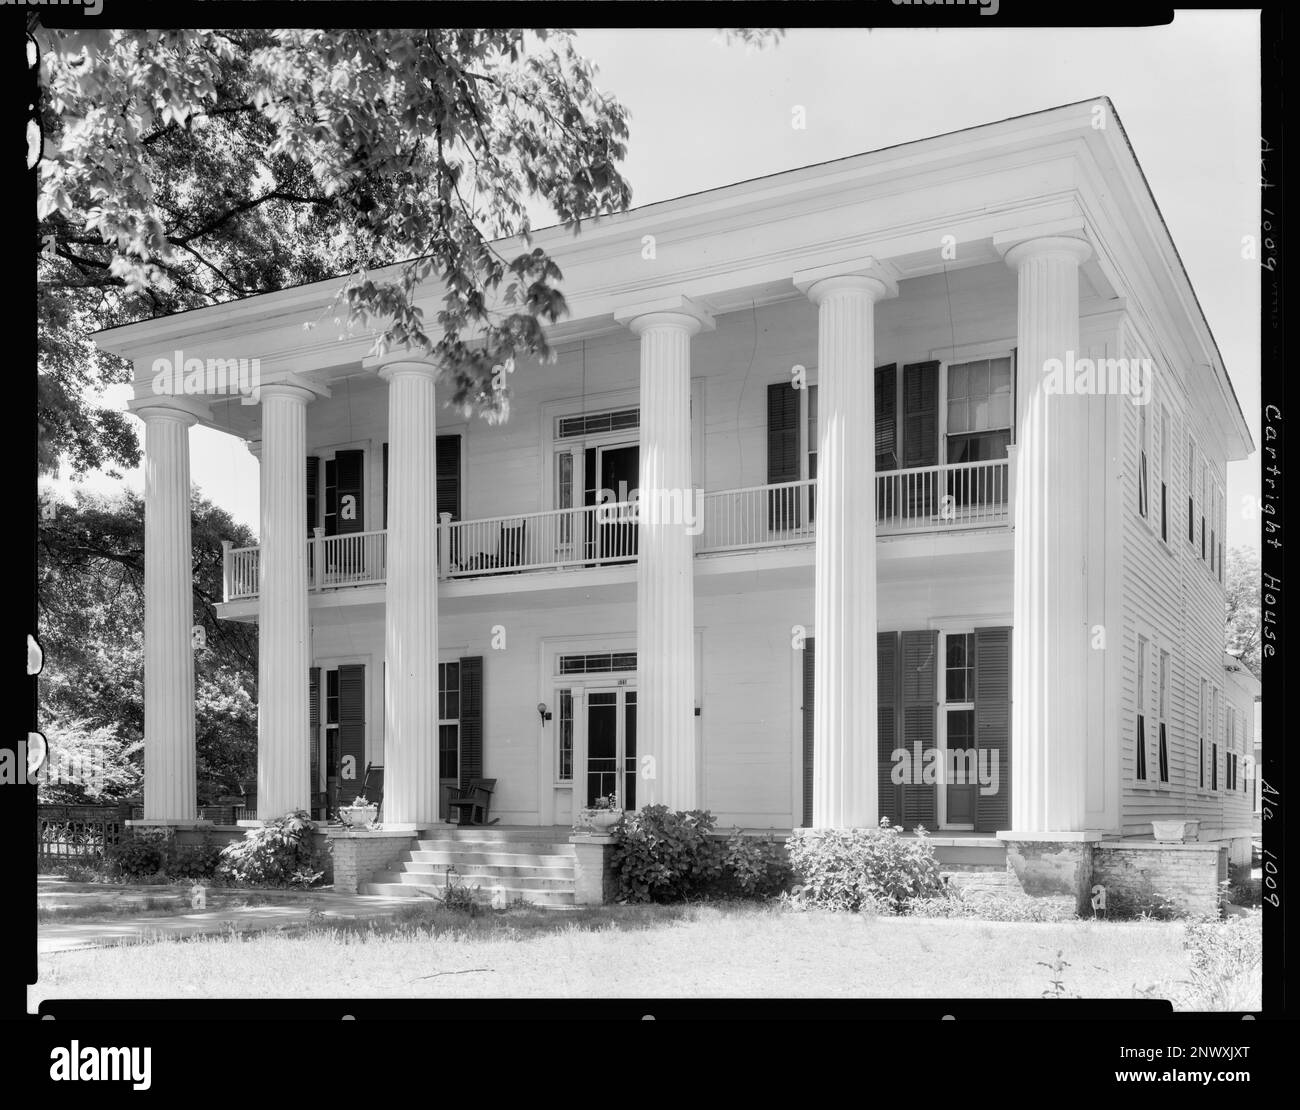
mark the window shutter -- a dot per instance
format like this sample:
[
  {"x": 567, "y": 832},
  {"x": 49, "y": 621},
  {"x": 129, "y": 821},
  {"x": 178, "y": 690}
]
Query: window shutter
[
  {"x": 993, "y": 723},
  {"x": 349, "y": 476},
  {"x": 313, "y": 492},
  {"x": 887, "y": 417},
  {"x": 352, "y": 727},
  {"x": 918, "y": 652},
  {"x": 809, "y": 666},
  {"x": 471, "y": 719},
  {"x": 313, "y": 727},
  {"x": 385, "y": 486},
  {"x": 921, "y": 414},
  {"x": 782, "y": 453},
  {"x": 448, "y": 451},
  {"x": 889, "y": 795}
]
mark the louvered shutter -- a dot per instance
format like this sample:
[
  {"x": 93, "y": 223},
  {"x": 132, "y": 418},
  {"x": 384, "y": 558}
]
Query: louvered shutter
[
  {"x": 352, "y": 727},
  {"x": 782, "y": 454},
  {"x": 313, "y": 492},
  {"x": 917, "y": 652},
  {"x": 921, "y": 493},
  {"x": 889, "y": 795},
  {"x": 471, "y": 719},
  {"x": 385, "y": 485},
  {"x": 313, "y": 727},
  {"x": 350, "y": 480},
  {"x": 809, "y": 668},
  {"x": 887, "y": 417},
  {"x": 448, "y": 452},
  {"x": 993, "y": 724},
  {"x": 921, "y": 414}
]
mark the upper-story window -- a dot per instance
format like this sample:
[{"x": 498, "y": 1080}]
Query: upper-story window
[
  {"x": 1205, "y": 493},
  {"x": 1164, "y": 474},
  {"x": 1162, "y": 711},
  {"x": 1201, "y": 735},
  {"x": 979, "y": 410},
  {"x": 1191, "y": 489},
  {"x": 1144, "y": 449},
  {"x": 1140, "y": 741}
]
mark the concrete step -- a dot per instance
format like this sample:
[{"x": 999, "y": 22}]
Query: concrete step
[
  {"x": 495, "y": 859},
  {"x": 495, "y": 833},
  {"x": 529, "y": 847},
  {"x": 494, "y": 870},
  {"x": 434, "y": 893},
  {"x": 486, "y": 883}
]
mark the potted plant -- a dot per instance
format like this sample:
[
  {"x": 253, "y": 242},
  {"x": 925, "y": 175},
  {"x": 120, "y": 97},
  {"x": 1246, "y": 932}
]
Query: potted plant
[{"x": 360, "y": 813}]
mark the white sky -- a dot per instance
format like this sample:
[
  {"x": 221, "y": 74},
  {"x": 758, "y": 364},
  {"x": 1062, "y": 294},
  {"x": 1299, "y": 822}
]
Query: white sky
[{"x": 705, "y": 115}]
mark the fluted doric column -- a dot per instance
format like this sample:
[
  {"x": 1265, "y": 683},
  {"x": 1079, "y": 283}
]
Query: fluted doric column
[
  {"x": 169, "y": 783},
  {"x": 1049, "y": 653},
  {"x": 844, "y": 605},
  {"x": 411, "y": 786},
  {"x": 665, "y": 555},
  {"x": 283, "y": 629}
]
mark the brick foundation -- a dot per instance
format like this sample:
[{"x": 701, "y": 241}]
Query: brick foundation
[
  {"x": 358, "y": 854},
  {"x": 1187, "y": 875}
]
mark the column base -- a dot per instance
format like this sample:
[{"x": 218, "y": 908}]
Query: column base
[
  {"x": 359, "y": 854},
  {"x": 1053, "y": 864},
  {"x": 593, "y": 869}
]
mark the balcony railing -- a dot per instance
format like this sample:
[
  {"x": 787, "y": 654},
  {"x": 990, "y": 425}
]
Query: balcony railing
[{"x": 922, "y": 499}]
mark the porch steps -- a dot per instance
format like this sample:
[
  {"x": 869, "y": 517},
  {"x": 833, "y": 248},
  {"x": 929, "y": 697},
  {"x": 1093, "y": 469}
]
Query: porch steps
[{"x": 519, "y": 864}]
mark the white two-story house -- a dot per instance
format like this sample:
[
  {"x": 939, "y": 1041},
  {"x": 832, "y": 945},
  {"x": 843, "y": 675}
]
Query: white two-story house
[{"x": 816, "y": 485}]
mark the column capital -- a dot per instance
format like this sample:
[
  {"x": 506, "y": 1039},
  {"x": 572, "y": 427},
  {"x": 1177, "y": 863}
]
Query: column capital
[
  {"x": 876, "y": 278},
  {"x": 1017, "y": 249},
  {"x": 295, "y": 389},
  {"x": 403, "y": 361},
  {"x": 673, "y": 311},
  {"x": 184, "y": 410}
]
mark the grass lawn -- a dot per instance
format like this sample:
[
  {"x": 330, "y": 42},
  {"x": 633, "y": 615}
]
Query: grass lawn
[{"x": 704, "y": 951}]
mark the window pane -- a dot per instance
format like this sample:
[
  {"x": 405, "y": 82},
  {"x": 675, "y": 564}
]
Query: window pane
[
  {"x": 958, "y": 376},
  {"x": 957, "y": 416},
  {"x": 565, "y": 733},
  {"x": 448, "y": 751}
]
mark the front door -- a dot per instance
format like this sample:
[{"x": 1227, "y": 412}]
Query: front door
[{"x": 611, "y": 746}]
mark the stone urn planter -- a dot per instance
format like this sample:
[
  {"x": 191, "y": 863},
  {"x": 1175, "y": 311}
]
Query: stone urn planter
[
  {"x": 358, "y": 816},
  {"x": 602, "y": 820},
  {"x": 1174, "y": 832},
  {"x": 597, "y": 820}
]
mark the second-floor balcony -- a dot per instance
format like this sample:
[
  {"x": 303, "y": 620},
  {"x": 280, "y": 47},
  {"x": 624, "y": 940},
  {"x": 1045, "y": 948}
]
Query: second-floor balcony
[{"x": 946, "y": 498}]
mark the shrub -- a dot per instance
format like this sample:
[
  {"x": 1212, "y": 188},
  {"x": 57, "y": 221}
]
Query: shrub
[
  {"x": 193, "y": 861},
  {"x": 139, "y": 854},
  {"x": 1140, "y": 902},
  {"x": 1242, "y": 889},
  {"x": 281, "y": 853},
  {"x": 754, "y": 867},
  {"x": 843, "y": 869},
  {"x": 662, "y": 856}
]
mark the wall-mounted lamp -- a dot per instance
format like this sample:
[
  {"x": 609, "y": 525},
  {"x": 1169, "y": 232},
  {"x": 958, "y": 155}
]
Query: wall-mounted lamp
[{"x": 543, "y": 712}]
